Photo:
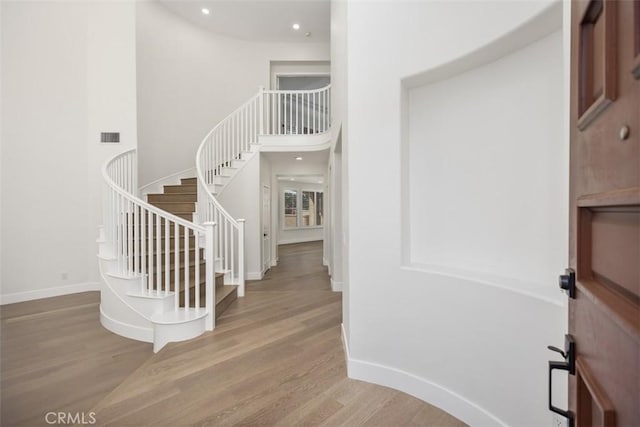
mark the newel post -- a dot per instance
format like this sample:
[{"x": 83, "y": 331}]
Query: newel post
[
  {"x": 261, "y": 107},
  {"x": 210, "y": 268},
  {"x": 241, "y": 257}
]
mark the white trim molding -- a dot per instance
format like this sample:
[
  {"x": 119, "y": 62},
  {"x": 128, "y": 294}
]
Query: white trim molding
[
  {"x": 49, "y": 292},
  {"x": 124, "y": 329},
  {"x": 336, "y": 286},
  {"x": 283, "y": 143},
  {"x": 421, "y": 388},
  {"x": 254, "y": 275}
]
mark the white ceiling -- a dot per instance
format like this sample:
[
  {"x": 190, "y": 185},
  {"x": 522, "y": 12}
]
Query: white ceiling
[
  {"x": 308, "y": 157},
  {"x": 307, "y": 179},
  {"x": 307, "y": 168},
  {"x": 259, "y": 20}
]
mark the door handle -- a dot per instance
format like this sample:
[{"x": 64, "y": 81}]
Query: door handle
[{"x": 569, "y": 365}]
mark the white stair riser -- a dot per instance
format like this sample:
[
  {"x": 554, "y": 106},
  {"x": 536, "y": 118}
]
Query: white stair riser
[
  {"x": 129, "y": 315},
  {"x": 115, "y": 308},
  {"x": 164, "y": 334},
  {"x": 221, "y": 179}
]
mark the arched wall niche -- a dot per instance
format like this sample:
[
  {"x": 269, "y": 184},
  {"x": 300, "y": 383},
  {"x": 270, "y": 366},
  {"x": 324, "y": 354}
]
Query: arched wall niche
[{"x": 483, "y": 163}]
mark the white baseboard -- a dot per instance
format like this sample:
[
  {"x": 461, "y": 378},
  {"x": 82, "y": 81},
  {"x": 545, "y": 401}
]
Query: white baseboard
[
  {"x": 274, "y": 262},
  {"x": 423, "y": 389},
  {"x": 324, "y": 261},
  {"x": 298, "y": 240},
  {"x": 48, "y": 292},
  {"x": 336, "y": 286},
  {"x": 253, "y": 275}
]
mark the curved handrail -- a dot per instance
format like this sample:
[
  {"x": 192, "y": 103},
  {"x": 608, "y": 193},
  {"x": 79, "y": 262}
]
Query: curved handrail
[
  {"x": 162, "y": 251},
  {"x": 120, "y": 190},
  {"x": 199, "y": 161},
  {"x": 210, "y": 196},
  {"x": 269, "y": 112}
]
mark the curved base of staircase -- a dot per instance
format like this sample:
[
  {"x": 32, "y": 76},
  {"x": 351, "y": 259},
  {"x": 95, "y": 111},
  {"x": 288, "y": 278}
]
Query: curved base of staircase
[
  {"x": 125, "y": 329},
  {"x": 168, "y": 327},
  {"x": 146, "y": 317},
  {"x": 176, "y": 326}
]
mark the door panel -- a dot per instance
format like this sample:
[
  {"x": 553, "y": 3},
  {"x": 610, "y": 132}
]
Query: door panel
[
  {"x": 594, "y": 407},
  {"x": 635, "y": 70},
  {"x": 604, "y": 317}
]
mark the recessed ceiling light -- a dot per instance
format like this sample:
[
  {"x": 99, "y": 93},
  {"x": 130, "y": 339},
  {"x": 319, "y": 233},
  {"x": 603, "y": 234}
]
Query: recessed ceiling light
[
  {"x": 307, "y": 34},
  {"x": 292, "y": 179},
  {"x": 319, "y": 182},
  {"x": 296, "y": 26},
  {"x": 205, "y": 11},
  {"x": 298, "y": 158}
]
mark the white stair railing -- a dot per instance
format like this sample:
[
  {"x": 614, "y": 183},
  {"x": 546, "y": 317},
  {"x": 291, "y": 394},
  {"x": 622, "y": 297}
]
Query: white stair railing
[
  {"x": 297, "y": 112},
  {"x": 169, "y": 253},
  {"x": 218, "y": 153},
  {"x": 269, "y": 112}
]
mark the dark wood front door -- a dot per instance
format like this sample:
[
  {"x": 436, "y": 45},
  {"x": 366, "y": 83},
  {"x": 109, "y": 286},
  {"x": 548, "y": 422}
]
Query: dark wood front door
[{"x": 604, "y": 316}]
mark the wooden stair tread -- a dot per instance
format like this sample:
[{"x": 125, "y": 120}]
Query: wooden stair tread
[
  {"x": 180, "y": 200},
  {"x": 224, "y": 291},
  {"x": 180, "y": 189},
  {"x": 190, "y": 193},
  {"x": 172, "y": 197}
]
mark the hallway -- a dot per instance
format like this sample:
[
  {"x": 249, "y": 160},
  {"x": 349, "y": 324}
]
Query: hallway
[{"x": 275, "y": 358}]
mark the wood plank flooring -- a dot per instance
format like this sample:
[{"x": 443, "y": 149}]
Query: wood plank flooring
[
  {"x": 55, "y": 356},
  {"x": 275, "y": 358}
]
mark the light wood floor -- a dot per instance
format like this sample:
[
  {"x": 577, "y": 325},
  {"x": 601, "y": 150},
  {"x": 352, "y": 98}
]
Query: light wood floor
[{"x": 275, "y": 358}]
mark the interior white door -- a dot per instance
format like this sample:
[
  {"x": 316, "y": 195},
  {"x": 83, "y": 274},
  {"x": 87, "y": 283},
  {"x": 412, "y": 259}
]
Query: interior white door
[{"x": 266, "y": 228}]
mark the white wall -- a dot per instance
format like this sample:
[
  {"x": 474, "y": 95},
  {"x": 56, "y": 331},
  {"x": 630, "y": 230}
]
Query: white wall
[
  {"x": 337, "y": 250},
  {"x": 44, "y": 187},
  {"x": 462, "y": 342},
  {"x": 189, "y": 79},
  {"x": 339, "y": 195},
  {"x": 63, "y": 80},
  {"x": 111, "y": 100},
  {"x": 472, "y": 189},
  {"x": 242, "y": 198}
]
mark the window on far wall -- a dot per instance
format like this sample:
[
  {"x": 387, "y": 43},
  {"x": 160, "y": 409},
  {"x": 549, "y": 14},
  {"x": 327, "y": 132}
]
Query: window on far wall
[
  {"x": 310, "y": 213},
  {"x": 290, "y": 208},
  {"x": 311, "y": 208}
]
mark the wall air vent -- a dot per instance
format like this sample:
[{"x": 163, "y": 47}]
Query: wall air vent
[{"x": 110, "y": 137}]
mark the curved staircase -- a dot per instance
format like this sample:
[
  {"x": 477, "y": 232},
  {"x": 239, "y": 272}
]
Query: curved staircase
[
  {"x": 181, "y": 200},
  {"x": 172, "y": 264}
]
